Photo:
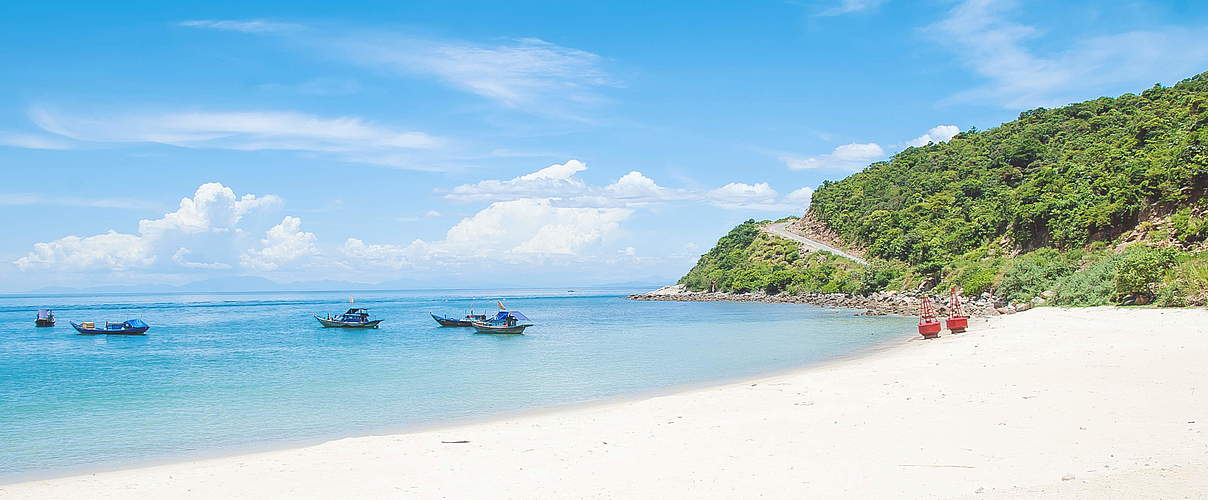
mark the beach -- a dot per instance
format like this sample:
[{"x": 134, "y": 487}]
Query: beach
[{"x": 1061, "y": 403}]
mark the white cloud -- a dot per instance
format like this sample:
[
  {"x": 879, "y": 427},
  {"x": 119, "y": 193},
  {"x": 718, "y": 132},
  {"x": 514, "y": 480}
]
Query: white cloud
[
  {"x": 206, "y": 231},
  {"x": 528, "y": 73},
  {"x": 522, "y": 230},
  {"x": 736, "y": 195},
  {"x": 800, "y": 197},
  {"x": 635, "y": 186},
  {"x": 852, "y": 156},
  {"x": 851, "y": 6},
  {"x": 553, "y": 181},
  {"x": 182, "y": 257},
  {"x": 110, "y": 250},
  {"x": 26, "y": 199},
  {"x": 938, "y": 134},
  {"x": 283, "y": 243},
  {"x": 432, "y": 213},
  {"x": 391, "y": 256},
  {"x": 34, "y": 141},
  {"x": 982, "y": 35},
  {"x": 242, "y": 130},
  {"x": 254, "y": 26}
]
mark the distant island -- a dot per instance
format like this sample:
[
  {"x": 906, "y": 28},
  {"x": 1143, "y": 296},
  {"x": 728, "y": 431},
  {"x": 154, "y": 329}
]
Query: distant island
[{"x": 1099, "y": 202}]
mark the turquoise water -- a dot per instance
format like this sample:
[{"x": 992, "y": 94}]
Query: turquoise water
[{"x": 232, "y": 371}]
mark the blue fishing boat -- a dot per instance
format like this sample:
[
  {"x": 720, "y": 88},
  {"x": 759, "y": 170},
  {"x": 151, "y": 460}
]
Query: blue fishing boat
[
  {"x": 45, "y": 318},
  {"x": 128, "y": 327},
  {"x": 508, "y": 322},
  {"x": 353, "y": 318},
  {"x": 467, "y": 321}
]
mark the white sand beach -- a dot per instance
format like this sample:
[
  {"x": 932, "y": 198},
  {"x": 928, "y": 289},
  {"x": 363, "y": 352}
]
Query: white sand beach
[{"x": 1083, "y": 403}]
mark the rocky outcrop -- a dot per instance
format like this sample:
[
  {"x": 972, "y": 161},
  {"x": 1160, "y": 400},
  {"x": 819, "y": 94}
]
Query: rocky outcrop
[{"x": 874, "y": 304}]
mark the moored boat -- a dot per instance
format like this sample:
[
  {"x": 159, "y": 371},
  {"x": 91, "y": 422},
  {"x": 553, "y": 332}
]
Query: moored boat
[
  {"x": 465, "y": 322},
  {"x": 128, "y": 327},
  {"x": 505, "y": 322},
  {"x": 353, "y": 318},
  {"x": 46, "y": 317}
]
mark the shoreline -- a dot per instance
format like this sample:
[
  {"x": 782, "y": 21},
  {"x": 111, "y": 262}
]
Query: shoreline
[
  {"x": 1055, "y": 402},
  {"x": 891, "y": 303},
  {"x": 452, "y": 423}
]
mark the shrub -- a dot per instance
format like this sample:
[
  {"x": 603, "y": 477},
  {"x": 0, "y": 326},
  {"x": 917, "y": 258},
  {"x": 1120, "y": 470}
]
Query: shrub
[
  {"x": 1140, "y": 270},
  {"x": 1033, "y": 273},
  {"x": 1091, "y": 287}
]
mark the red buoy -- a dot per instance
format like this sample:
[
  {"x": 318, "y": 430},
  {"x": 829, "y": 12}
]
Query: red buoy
[
  {"x": 929, "y": 325},
  {"x": 957, "y": 321}
]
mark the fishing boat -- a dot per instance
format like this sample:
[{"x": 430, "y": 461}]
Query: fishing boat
[
  {"x": 468, "y": 321},
  {"x": 128, "y": 327},
  {"x": 45, "y": 318},
  {"x": 503, "y": 322},
  {"x": 354, "y": 318}
]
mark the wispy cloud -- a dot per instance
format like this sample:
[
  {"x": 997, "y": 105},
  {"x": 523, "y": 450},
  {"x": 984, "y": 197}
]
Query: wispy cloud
[
  {"x": 528, "y": 73},
  {"x": 29, "y": 199},
  {"x": 851, "y": 6},
  {"x": 252, "y": 26},
  {"x": 355, "y": 139},
  {"x": 983, "y": 36},
  {"x": 34, "y": 141}
]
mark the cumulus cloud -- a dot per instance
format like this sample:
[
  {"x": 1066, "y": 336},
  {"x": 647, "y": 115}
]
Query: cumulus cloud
[
  {"x": 800, "y": 197},
  {"x": 738, "y": 195},
  {"x": 938, "y": 134},
  {"x": 556, "y": 180},
  {"x": 852, "y": 156},
  {"x": 283, "y": 243},
  {"x": 988, "y": 42},
  {"x": 206, "y": 231}
]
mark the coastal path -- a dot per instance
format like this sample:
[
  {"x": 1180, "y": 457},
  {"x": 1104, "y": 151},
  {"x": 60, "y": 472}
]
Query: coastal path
[{"x": 781, "y": 229}]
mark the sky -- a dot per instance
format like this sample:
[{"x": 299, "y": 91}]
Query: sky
[{"x": 462, "y": 144}]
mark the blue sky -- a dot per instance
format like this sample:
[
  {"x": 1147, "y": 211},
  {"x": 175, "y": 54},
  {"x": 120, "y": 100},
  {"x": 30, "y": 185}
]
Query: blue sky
[{"x": 488, "y": 143}]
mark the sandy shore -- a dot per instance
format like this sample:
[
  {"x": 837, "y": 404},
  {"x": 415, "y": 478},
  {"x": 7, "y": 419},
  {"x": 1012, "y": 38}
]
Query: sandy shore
[{"x": 1089, "y": 403}]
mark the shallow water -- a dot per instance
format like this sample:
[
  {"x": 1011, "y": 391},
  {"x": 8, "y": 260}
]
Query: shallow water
[{"x": 228, "y": 371}]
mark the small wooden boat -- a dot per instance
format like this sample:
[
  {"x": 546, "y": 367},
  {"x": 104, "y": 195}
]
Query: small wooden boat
[
  {"x": 45, "y": 318},
  {"x": 129, "y": 327},
  {"x": 505, "y": 322},
  {"x": 354, "y": 318},
  {"x": 468, "y": 321}
]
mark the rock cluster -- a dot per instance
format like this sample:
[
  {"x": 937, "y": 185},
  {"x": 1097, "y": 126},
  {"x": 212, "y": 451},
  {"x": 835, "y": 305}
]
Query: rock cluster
[{"x": 874, "y": 304}]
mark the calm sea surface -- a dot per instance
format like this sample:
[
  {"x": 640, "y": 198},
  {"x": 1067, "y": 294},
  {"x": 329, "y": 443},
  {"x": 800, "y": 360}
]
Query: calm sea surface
[{"x": 229, "y": 372}]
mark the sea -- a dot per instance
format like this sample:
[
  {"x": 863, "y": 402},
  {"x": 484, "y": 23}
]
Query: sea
[{"x": 227, "y": 373}]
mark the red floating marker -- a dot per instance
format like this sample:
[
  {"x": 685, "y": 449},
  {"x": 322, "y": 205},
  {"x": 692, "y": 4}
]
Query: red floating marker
[
  {"x": 929, "y": 325},
  {"x": 957, "y": 320}
]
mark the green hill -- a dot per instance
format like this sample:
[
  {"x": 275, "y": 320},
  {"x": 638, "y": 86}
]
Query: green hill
[{"x": 1100, "y": 201}]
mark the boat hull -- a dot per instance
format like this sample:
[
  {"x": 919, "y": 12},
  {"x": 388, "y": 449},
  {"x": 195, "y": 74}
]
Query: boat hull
[
  {"x": 142, "y": 330},
  {"x": 443, "y": 321},
  {"x": 44, "y": 322},
  {"x": 328, "y": 323},
  {"x": 498, "y": 329}
]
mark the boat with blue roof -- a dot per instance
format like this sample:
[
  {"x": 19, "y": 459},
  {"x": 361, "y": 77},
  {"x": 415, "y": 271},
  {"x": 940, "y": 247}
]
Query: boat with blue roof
[
  {"x": 356, "y": 317},
  {"x": 128, "y": 327},
  {"x": 505, "y": 322}
]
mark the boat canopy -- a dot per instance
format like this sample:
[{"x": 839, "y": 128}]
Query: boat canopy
[
  {"x": 43, "y": 313},
  {"x": 357, "y": 310},
  {"x": 135, "y": 323},
  {"x": 517, "y": 315}
]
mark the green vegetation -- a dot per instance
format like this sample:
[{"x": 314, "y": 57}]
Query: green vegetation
[
  {"x": 1040, "y": 204},
  {"x": 747, "y": 260}
]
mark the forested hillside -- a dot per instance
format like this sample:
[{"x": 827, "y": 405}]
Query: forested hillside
[{"x": 1099, "y": 201}]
